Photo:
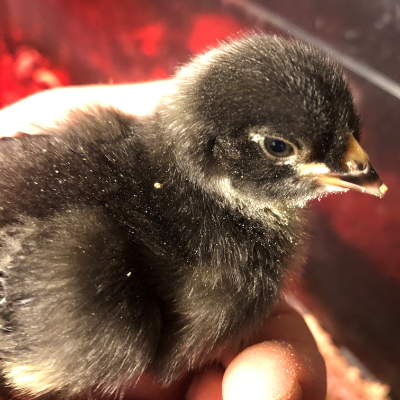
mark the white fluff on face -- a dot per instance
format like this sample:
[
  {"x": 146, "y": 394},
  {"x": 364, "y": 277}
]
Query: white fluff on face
[
  {"x": 309, "y": 169},
  {"x": 251, "y": 206}
]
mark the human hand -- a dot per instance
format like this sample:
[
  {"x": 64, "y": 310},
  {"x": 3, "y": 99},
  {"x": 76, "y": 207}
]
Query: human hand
[{"x": 282, "y": 361}]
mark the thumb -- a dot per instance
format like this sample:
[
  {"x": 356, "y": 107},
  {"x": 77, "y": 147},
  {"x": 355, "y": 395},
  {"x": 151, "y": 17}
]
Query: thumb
[{"x": 265, "y": 371}]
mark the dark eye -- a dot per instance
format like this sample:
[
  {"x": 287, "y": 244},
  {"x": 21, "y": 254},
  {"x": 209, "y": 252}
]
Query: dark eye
[{"x": 278, "y": 148}]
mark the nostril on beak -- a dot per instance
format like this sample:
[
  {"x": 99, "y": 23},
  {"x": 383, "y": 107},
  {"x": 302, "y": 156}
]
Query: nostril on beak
[
  {"x": 356, "y": 165},
  {"x": 356, "y": 159}
]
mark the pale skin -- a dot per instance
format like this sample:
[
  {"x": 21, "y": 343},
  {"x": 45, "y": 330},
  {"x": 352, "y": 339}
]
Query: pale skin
[{"x": 283, "y": 362}]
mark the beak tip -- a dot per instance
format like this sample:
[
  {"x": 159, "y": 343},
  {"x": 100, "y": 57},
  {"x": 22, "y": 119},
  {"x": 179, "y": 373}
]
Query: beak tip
[{"x": 383, "y": 189}]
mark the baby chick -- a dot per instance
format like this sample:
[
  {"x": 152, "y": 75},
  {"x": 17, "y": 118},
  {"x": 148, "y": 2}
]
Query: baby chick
[{"x": 152, "y": 245}]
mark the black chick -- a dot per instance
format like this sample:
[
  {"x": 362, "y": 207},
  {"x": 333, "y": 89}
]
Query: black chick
[{"x": 130, "y": 245}]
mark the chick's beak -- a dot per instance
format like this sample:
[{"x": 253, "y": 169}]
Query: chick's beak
[{"x": 360, "y": 175}]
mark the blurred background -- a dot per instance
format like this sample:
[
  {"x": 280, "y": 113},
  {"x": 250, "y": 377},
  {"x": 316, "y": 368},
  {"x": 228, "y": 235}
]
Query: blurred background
[{"x": 351, "y": 282}]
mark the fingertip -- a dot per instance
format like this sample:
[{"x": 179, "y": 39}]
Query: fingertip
[
  {"x": 288, "y": 326},
  {"x": 265, "y": 371}
]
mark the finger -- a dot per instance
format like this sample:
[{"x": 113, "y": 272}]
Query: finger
[
  {"x": 45, "y": 108},
  {"x": 289, "y": 367},
  {"x": 206, "y": 386},
  {"x": 266, "y": 371},
  {"x": 287, "y": 325}
]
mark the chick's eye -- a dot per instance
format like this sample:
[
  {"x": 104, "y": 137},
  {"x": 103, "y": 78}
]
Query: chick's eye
[{"x": 278, "y": 148}]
